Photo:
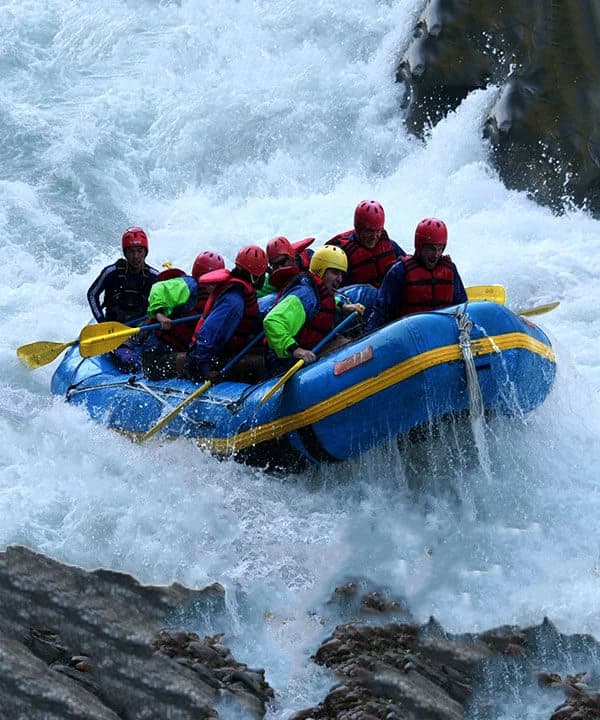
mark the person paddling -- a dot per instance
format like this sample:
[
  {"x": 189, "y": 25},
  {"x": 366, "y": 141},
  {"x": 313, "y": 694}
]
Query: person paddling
[
  {"x": 178, "y": 296},
  {"x": 306, "y": 312},
  {"x": 286, "y": 259},
  {"x": 368, "y": 247},
  {"x": 231, "y": 320},
  {"x": 121, "y": 292},
  {"x": 426, "y": 280}
]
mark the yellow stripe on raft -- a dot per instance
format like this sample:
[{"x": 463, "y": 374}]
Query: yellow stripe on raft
[{"x": 366, "y": 388}]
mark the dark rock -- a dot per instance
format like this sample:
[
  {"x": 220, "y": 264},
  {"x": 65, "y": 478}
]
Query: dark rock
[
  {"x": 545, "y": 57},
  {"x": 423, "y": 672},
  {"x": 77, "y": 644}
]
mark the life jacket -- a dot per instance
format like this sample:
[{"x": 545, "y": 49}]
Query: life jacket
[
  {"x": 281, "y": 276},
  {"x": 180, "y": 335},
  {"x": 303, "y": 259},
  {"x": 128, "y": 298},
  {"x": 249, "y": 323},
  {"x": 426, "y": 289},
  {"x": 365, "y": 265},
  {"x": 323, "y": 320}
]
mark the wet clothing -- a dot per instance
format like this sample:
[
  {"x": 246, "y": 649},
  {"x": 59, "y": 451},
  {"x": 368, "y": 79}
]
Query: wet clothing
[
  {"x": 409, "y": 287},
  {"x": 367, "y": 265},
  {"x": 231, "y": 320},
  {"x": 303, "y": 316},
  {"x": 125, "y": 293},
  {"x": 177, "y": 298}
]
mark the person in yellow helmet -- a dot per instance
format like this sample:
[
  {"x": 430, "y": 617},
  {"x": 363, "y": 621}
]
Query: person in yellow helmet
[{"x": 306, "y": 311}]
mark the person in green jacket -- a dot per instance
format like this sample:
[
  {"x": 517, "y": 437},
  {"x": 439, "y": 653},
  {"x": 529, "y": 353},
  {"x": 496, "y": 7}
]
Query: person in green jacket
[
  {"x": 307, "y": 311},
  {"x": 176, "y": 295}
]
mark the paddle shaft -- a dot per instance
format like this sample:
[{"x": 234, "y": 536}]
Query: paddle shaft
[{"x": 201, "y": 390}]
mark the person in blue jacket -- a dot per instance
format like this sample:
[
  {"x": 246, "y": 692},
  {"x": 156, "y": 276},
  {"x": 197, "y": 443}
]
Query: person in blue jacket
[
  {"x": 425, "y": 281},
  {"x": 231, "y": 319}
]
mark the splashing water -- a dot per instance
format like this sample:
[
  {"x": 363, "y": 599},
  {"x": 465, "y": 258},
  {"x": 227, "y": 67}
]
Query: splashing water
[{"x": 216, "y": 126}]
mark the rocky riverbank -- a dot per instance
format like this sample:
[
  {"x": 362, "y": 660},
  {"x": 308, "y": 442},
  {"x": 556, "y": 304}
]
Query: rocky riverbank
[{"x": 100, "y": 646}]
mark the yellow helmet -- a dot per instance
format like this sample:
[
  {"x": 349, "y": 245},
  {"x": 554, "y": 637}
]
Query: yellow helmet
[{"x": 328, "y": 256}]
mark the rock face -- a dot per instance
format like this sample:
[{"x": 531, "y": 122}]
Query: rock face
[
  {"x": 78, "y": 645},
  {"x": 91, "y": 645},
  {"x": 545, "y": 58},
  {"x": 403, "y": 670}
]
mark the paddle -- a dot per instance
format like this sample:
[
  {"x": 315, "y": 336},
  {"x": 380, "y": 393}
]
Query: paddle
[
  {"x": 296, "y": 366},
  {"x": 539, "y": 309},
  {"x": 41, "y": 353},
  {"x": 104, "y": 337},
  {"x": 201, "y": 390},
  {"x": 494, "y": 293}
]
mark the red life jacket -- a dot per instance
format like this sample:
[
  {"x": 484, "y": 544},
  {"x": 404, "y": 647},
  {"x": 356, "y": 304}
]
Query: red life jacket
[
  {"x": 426, "y": 289},
  {"x": 324, "y": 319},
  {"x": 180, "y": 335},
  {"x": 249, "y": 323},
  {"x": 303, "y": 259},
  {"x": 365, "y": 265}
]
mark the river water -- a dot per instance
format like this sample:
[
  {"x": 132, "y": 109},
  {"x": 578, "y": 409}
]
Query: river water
[{"x": 215, "y": 126}]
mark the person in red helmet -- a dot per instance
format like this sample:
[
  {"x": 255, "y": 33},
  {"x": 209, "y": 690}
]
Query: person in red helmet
[
  {"x": 231, "y": 319},
  {"x": 286, "y": 259},
  {"x": 427, "y": 280},
  {"x": 368, "y": 247},
  {"x": 121, "y": 290},
  {"x": 121, "y": 293},
  {"x": 177, "y": 296}
]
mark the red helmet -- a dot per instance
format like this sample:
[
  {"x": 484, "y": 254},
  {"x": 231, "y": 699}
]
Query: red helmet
[
  {"x": 369, "y": 215},
  {"x": 169, "y": 273},
  {"x": 134, "y": 237},
  {"x": 252, "y": 259},
  {"x": 207, "y": 262},
  {"x": 279, "y": 246},
  {"x": 431, "y": 231}
]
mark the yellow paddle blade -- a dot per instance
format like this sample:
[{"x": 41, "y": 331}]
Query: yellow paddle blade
[
  {"x": 41, "y": 353},
  {"x": 539, "y": 309},
  {"x": 175, "y": 411},
  {"x": 282, "y": 381},
  {"x": 104, "y": 337},
  {"x": 493, "y": 293}
]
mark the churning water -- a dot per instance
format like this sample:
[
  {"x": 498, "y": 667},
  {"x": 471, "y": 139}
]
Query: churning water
[{"x": 214, "y": 125}]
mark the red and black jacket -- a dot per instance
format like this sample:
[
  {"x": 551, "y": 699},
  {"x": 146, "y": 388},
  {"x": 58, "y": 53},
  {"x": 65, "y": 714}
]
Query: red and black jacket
[
  {"x": 323, "y": 320},
  {"x": 366, "y": 265},
  {"x": 426, "y": 289}
]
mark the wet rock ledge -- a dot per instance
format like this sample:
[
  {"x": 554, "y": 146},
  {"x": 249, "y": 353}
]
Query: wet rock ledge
[
  {"x": 91, "y": 646},
  {"x": 544, "y": 58},
  {"x": 99, "y": 645}
]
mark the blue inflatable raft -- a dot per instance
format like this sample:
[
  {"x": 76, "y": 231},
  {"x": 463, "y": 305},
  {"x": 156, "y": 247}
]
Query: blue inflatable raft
[{"x": 410, "y": 373}]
